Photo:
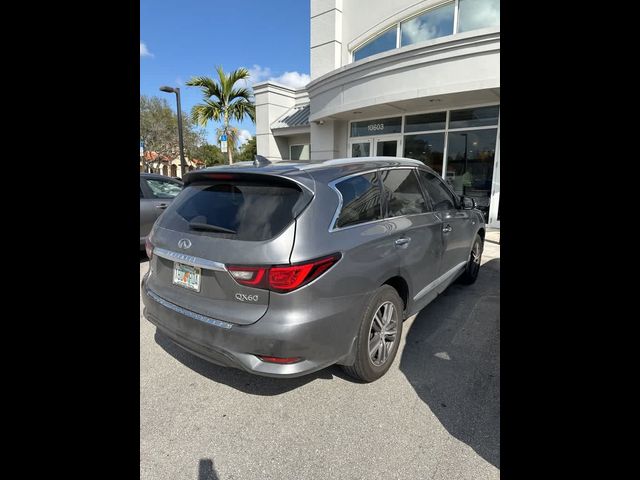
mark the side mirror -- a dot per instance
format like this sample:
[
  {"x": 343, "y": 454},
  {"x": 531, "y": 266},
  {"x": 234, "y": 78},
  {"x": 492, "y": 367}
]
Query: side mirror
[{"x": 468, "y": 203}]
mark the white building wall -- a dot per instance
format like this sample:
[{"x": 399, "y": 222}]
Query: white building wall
[{"x": 272, "y": 101}]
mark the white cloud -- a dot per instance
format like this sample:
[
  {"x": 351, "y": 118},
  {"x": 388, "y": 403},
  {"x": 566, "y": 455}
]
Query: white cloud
[
  {"x": 144, "y": 51},
  {"x": 243, "y": 137},
  {"x": 295, "y": 80}
]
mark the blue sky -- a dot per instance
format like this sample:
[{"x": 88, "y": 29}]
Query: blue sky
[{"x": 180, "y": 39}]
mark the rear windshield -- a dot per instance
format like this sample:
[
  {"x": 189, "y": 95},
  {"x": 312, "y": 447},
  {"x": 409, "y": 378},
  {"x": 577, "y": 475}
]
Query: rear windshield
[{"x": 247, "y": 209}]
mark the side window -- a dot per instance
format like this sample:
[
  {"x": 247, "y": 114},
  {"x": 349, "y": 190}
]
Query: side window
[
  {"x": 163, "y": 188},
  {"x": 402, "y": 192},
  {"x": 360, "y": 200},
  {"x": 441, "y": 197}
]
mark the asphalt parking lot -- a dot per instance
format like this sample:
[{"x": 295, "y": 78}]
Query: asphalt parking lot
[{"x": 434, "y": 415}]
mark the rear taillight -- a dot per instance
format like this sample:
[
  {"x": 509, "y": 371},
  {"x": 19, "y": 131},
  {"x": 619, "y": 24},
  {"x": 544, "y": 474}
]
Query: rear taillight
[
  {"x": 148, "y": 246},
  {"x": 282, "y": 278}
]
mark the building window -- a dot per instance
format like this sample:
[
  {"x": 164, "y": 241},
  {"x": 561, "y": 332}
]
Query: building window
[
  {"x": 426, "y": 147},
  {"x": 425, "y": 121},
  {"x": 470, "y": 157},
  {"x": 299, "y": 152},
  {"x": 382, "y": 43},
  {"x": 474, "y": 117},
  {"x": 380, "y": 126},
  {"x": 475, "y": 14},
  {"x": 434, "y": 23}
]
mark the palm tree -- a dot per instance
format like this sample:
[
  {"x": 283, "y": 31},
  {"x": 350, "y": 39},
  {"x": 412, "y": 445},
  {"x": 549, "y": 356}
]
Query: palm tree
[{"x": 222, "y": 100}]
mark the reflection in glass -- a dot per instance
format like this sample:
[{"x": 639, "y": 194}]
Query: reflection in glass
[
  {"x": 379, "y": 126},
  {"x": 475, "y": 14},
  {"x": 426, "y": 147},
  {"x": 470, "y": 158},
  {"x": 299, "y": 152},
  {"x": 437, "y": 22},
  {"x": 425, "y": 121},
  {"x": 360, "y": 149},
  {"x": 360, "y": 200},
  {"x": 474, "y": 117},
  {"x": 382, "y": 43},
  {"x": 387, "y": 148},
  {"x": 402, "y": 192}
]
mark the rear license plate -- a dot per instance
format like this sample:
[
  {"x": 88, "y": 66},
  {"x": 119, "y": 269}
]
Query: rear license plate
[{"x": 186, "y": 276}]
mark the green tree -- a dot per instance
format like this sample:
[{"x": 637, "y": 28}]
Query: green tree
[
  {"x": 209, "y": 154},
  {"x": 248, "y": 150},
  {"x": 159, "y": 130},
  {"x": 223, "y": 101}
]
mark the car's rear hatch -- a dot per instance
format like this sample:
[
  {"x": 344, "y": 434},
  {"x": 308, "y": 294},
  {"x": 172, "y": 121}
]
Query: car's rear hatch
[{"x": 221, "y": 218}]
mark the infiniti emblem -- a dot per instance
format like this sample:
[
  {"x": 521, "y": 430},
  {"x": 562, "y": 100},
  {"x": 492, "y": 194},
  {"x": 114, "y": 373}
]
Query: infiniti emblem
[{"x": 184, "y": 243}]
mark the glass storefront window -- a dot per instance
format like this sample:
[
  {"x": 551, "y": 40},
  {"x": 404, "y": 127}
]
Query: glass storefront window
[
  {"x": 475, "y": 14},
  {"x": 426, "y": 147},
  {"x": 425, "y": 121},
  {"x": 380, "y": 126},
  {"x": 437, "y": 22},
  {"x": 474, "y": 117},
  {"x": 382, "y": 43},
  {"x": 470, "y": 156},
  {"x": 360, "y": 149},
  {"x": 299, "y": 152}
]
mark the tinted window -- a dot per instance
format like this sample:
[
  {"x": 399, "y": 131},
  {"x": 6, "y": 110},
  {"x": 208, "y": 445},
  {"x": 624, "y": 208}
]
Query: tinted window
[
  {"x": 255, "y": 210},
  {"x": 381, "y": 43},
  {"x": 360, "y": 200},
  {"x": 437, "y": 22},
  {"x": 163, "y": 188},
  {"x": 474, "y": 117},
  {"x": 474, "y": 14},
  {"x": 425, "y": 121},
  {"x": 402, "y": 193},
  {"x": 426, "y": 147},
  {"x": 441, "y": 197},
  {"x": 380, "y": 126}
]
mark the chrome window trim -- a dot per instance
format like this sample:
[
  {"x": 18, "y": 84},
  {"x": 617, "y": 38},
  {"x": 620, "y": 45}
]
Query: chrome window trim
[
  {"x": 189, "y": 313},
  {"x": 333, "y": 183},
  {"x": 190, "y": 260}
]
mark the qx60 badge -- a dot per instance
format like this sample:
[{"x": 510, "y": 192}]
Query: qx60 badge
[
  {"x": 246, "y": 298},
  {"x": 184, "y": 243}
]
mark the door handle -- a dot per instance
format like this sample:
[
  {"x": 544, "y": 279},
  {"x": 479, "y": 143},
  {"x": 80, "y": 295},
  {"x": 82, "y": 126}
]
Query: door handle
[
  {"x": 447, "y": 228},
  {"x": 162, "y": 206},
  {"x": 403, "y": 242}
]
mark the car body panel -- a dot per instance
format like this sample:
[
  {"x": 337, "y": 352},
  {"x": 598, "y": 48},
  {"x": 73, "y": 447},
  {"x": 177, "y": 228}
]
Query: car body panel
[{"x": 318, "y": 322}]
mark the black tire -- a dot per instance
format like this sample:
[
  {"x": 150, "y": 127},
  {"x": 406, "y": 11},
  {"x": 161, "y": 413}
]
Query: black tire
[
  {"x": 364, "y": 367},
  {"x": 470, "y": 273}
]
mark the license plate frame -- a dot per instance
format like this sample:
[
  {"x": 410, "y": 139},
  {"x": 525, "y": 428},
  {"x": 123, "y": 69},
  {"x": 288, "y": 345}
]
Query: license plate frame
[{"x": 187, "y": 276}]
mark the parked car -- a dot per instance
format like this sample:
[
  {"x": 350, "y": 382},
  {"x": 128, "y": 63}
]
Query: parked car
[
  {"x": 156, "y": 193},
  {"x": 285, "y": 269}
]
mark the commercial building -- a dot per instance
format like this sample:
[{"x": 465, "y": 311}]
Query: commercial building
[{"x": 397, "y": 78}]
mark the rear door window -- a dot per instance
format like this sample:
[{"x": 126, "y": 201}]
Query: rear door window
[
  {"x": 249, "y": 209},
  {"x": 403, "y": 195},
  {"x": 360, "y": 200},
  {"x": 441, "y": 198}
]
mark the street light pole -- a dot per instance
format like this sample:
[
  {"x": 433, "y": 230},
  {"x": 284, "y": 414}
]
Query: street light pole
[{"x": 183, "y": 165}]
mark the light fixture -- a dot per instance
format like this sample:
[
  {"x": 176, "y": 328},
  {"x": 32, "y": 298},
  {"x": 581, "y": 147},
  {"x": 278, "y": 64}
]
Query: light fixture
[
  {"x": 435, "y": 100},
  {"x": 357, "y": 113}
]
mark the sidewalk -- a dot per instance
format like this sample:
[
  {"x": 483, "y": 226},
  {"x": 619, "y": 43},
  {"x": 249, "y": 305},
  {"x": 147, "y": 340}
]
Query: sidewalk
[{"x": 493, "y": 235}]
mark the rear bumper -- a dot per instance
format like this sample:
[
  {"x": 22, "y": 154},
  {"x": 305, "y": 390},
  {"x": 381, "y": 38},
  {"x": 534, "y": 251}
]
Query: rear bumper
[{"x": 321, "y": 336}]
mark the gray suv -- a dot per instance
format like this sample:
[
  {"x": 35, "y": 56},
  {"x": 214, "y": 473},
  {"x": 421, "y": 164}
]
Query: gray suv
[{"x": 283, "y": 269}]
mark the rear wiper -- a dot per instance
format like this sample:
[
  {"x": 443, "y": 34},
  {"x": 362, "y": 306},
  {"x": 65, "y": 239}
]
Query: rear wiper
[{"x": 210, "y": 228}]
